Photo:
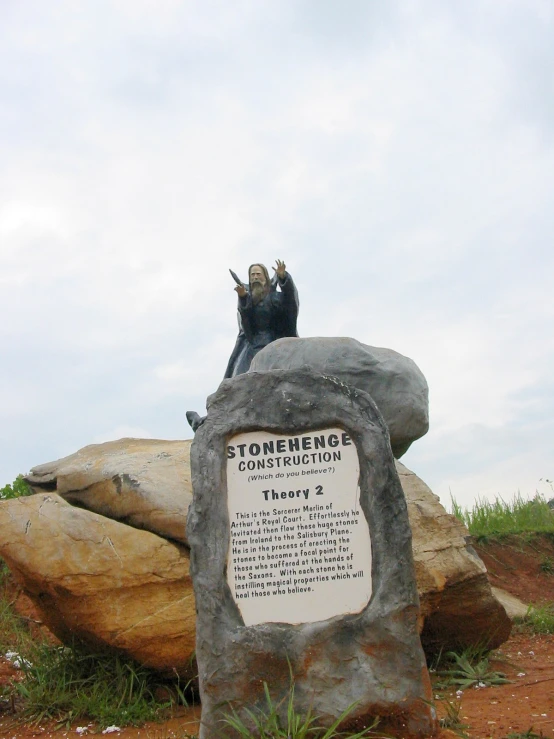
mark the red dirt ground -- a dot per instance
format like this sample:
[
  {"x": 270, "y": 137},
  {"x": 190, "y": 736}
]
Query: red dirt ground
[{"x": 523, "y": 708}]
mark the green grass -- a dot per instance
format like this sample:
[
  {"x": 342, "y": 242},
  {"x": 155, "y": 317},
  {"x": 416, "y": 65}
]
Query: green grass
[
  {"x": 267, "y": 724},
  {"x": 540, "y": 619},
  {"x": 501, "y": 518},
  {"x": 64, "y": 684},
  {"x": 67, "y": 684}
]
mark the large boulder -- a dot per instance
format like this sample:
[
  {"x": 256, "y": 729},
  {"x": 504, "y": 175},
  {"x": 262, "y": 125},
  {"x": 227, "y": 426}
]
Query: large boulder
[
  {"x": 114, "y": 585},
  {"x": 142, "y": 482},
  {"x": 101, "y": 582},
  {"x": 457, "y": 606},
  {"x": 395, "y": 382}
]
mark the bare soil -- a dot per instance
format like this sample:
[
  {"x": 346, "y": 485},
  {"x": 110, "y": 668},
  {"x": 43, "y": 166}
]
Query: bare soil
[{"x": 522, "y": 708}]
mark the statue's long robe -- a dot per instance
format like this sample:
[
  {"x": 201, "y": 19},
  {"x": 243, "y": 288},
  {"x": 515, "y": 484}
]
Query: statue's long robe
[{"x": 274, "y": 317}]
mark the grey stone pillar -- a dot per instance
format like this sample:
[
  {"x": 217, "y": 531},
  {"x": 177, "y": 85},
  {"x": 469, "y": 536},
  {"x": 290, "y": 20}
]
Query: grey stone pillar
[{"x": 301, "y": 557}]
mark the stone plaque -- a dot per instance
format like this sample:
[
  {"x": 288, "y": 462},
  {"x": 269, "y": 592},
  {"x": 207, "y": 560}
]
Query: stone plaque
[
  {"x": 299, "y": 547},
  {"x": 301, "y": 559}
]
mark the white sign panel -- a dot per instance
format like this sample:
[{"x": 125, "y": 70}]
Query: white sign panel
[{"x": 300, "y": 548}]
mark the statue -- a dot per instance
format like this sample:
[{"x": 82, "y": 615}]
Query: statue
[{"x": 265, "y": 314}]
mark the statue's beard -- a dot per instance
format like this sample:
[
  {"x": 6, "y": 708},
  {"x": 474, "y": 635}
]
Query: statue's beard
[{"x": 258, "y": 292}]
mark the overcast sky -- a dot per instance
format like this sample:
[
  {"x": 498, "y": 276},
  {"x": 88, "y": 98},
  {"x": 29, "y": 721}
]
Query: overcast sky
[{"x": 398, "y": 155}]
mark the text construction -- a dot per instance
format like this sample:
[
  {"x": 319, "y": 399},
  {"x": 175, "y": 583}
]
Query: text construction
[{"x": 300, "y": 548}]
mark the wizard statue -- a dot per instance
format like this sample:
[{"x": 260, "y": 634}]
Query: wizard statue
[{"x": 267, "y": 311}]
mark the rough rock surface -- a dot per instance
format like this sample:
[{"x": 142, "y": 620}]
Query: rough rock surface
[
  {"x": 234, "y": 660},
  {"x": 142, "y": 482},
  {"x": 102, "y": 582},
  {"x": 458, "y": 608},
  {"x": 394, "y": 381}
]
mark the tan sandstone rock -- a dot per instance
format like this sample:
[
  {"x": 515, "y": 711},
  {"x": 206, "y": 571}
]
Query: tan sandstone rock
[
  {"x": 102, "y": 582},
  {"x": 515, "y": 608},
  {"x": 458, "y": 608},
  {"x": 142, "y": 482}
]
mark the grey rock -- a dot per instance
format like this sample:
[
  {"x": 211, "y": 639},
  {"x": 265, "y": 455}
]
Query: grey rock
[
  {"x": 395, "y": 382},
  {"x": 374, "y": 657}
]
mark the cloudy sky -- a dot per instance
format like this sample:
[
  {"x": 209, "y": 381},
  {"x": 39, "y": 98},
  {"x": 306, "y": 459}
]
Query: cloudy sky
[{"x": 397, "y": 154}]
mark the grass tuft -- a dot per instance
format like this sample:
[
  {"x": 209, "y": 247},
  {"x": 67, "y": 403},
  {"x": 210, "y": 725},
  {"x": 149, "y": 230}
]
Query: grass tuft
[
  {"x": 452, "y": 720},
  {"x": 469, "y": 669},
  {"x": 541, "y": 618},
  {"x": 267, "y": 724}
]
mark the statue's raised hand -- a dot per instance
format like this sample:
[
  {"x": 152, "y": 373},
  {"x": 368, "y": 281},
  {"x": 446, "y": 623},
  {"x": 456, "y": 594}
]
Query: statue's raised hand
[
  {"x": 280, "y": 270},
  {"x": 240, "y": 290}
]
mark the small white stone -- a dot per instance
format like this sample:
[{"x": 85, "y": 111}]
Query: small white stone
[{"x": 17, "y": 660}]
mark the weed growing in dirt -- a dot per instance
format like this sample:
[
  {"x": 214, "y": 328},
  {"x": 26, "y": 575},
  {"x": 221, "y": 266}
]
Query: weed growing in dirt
[
  {"x": 453, "y": 720},
  {"x": 266, "y": 724},
  {"x": 541, "y": 618},
  {"x": 467, "y": 670},
  {"x": 502, "y": 518},
  {"x": 529, "y": 734}
]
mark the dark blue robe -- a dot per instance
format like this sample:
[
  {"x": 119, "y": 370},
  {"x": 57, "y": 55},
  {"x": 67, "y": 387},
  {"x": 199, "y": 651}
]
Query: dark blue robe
[{"x": 274, "y": 317}]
